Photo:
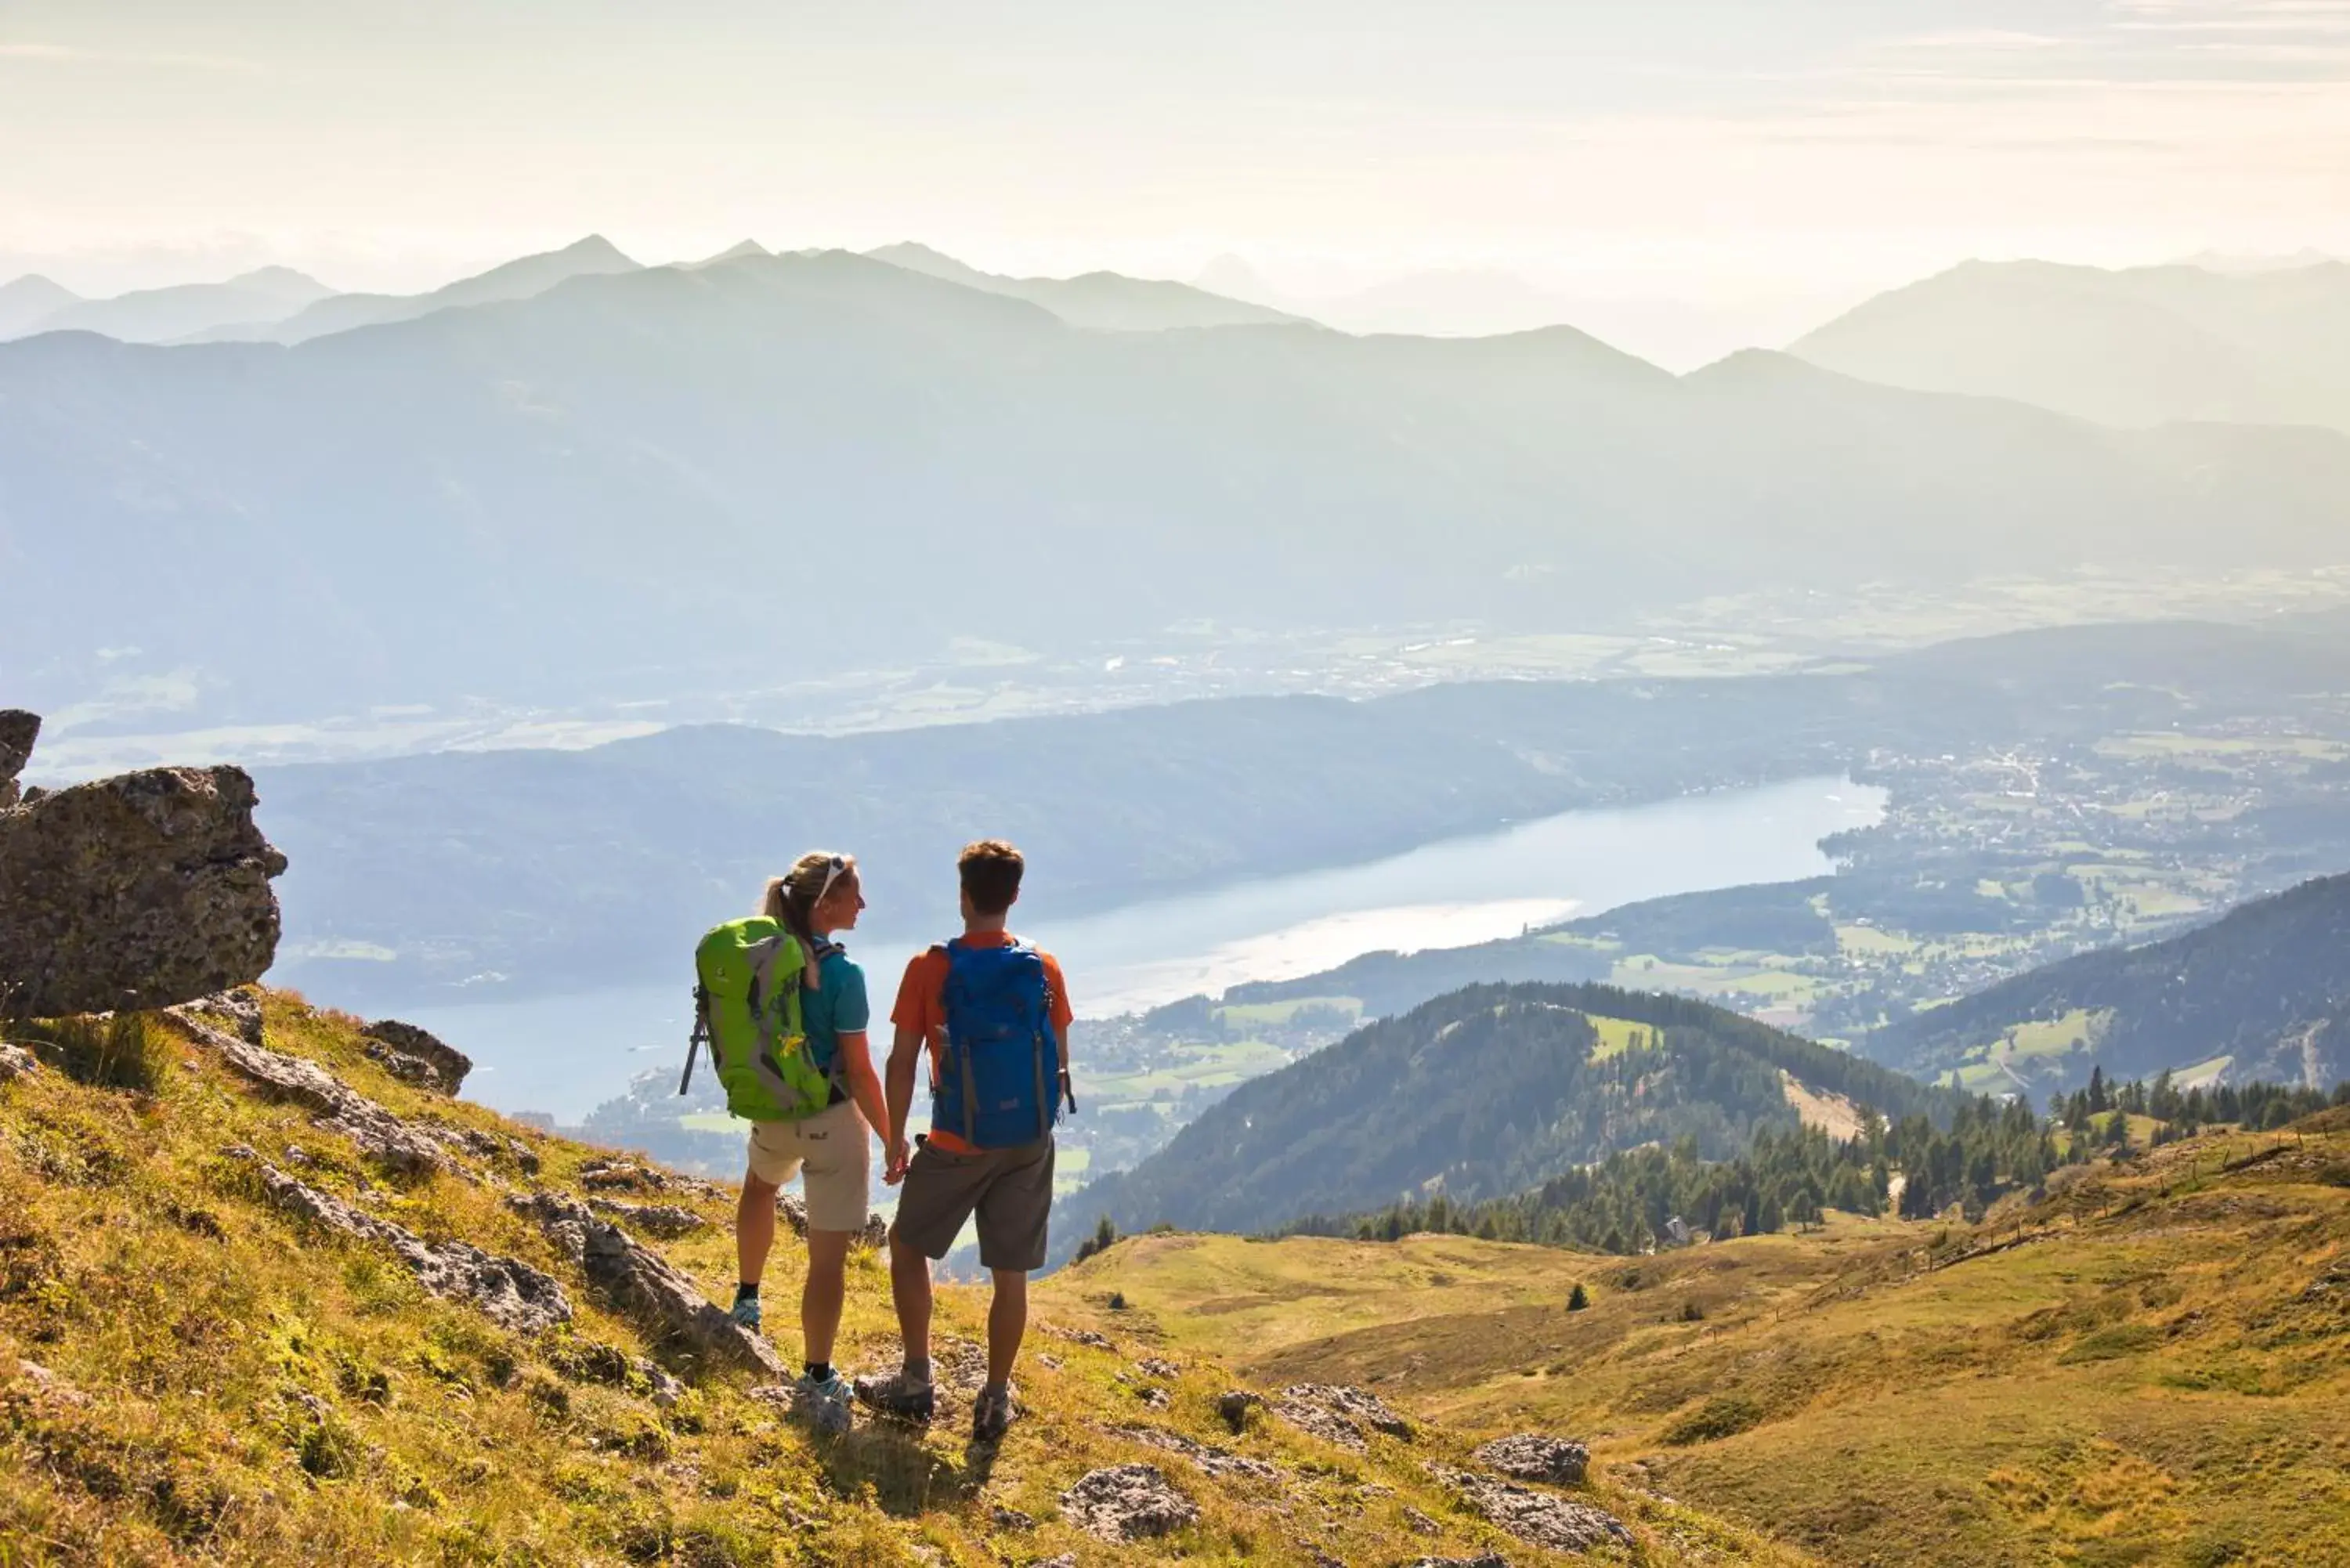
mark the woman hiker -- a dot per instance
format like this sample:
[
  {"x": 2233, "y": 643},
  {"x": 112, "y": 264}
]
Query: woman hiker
[{"x": 815, "y": 900}]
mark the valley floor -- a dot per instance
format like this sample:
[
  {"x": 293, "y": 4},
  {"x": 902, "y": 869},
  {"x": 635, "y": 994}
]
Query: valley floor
[{"x": 2149, "y": 1365}]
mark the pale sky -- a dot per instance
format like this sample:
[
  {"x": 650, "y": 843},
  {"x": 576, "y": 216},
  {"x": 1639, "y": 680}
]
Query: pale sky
[{"x": 1784, "y": 155}]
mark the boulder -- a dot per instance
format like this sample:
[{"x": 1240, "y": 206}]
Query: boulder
[
  {"x": 1537, "y": 1517},
  {"x": 1127, "y": 1502},
  {"x": 416, "y": 1055},
  {"x": 511, "y": 1294},
  {"x": 1529, "y": 1456},
  {"x": 134, "y": 892},
  {"x": 1234, "y": 1405},
  {"x": 18, "y": 730},
  {"x": 411, "y": 1151},
  {"x": 1338, "y": 1415},
  {"x": 645, "y": 1285}
]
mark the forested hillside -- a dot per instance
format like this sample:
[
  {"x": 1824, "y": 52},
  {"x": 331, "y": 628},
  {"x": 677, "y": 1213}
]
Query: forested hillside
[
  {"x": 2267, "y": 988},
  {"x": 1481, "y": 1093}
]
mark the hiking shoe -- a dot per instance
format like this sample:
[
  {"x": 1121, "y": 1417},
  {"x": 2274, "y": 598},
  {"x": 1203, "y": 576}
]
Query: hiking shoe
[
  {"x": 823, "y": 1403},
  {"x": 745, "y": 1312},
  {"x": 898, "y": 1398},
  {"x": 992, "y": 1414}
]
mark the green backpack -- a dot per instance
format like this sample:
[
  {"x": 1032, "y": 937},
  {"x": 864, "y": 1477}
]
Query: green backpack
[{"x": 747, "y": 1005}]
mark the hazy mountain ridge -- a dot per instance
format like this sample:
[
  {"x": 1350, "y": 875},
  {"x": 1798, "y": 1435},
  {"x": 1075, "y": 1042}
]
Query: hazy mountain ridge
[
  {"x": 155, "y": 315},
  {"x": 1100, "y": 301},
  {"x": 521, "y": 278},
  {"x": 1481, "y": 1093},
  {"x": 2140, "y": 346},
  {"x": 2267, "y": 985},
  {"x": 843, "y": 418}
]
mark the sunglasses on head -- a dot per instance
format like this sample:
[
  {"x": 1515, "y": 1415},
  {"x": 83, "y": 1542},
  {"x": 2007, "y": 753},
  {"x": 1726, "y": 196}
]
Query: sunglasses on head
[{"x": 833, "y": 869}]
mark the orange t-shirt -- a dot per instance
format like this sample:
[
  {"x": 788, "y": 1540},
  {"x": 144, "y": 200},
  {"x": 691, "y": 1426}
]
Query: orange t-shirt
[{"x": 922, "y": 1008}]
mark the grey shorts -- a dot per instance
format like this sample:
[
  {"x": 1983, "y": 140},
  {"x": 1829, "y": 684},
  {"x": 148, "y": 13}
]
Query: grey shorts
[{"x": 1011, "y": 1190}]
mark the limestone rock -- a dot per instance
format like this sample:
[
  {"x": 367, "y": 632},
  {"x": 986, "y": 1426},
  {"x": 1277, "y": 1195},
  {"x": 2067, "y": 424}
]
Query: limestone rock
[
  {"x": 1537, "y": 1517},
  {"x": 15, "y": 1062},
  {"x": 416, "y": 1055},
  {"x": 1214, "y": 1461},
  {"x": 1529, "y": 1456},
  {"x": 1153, "y": 1366},
  {"x": 511, "y": 1294},
  {"x": 1338, "y": 1415},
  {"x": 486, "y": 1146},
  {"x": 1127, "y": 1502},
  {"x": 406, "y": 1150},
  {"x": 1486, "y": 1560},
  {"x": 665, "y": 1221},
  {"x": 644, "y": 1283},
  {"x": 18, "y": 730},
  {"x": 237, "y": 1012},
  {"x": 1004, "y": 1518},
  {"x": 134, "y": 892}
]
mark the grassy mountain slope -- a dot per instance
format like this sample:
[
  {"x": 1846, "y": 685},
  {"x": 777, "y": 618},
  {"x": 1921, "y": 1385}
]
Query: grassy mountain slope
[
  {"x": 2150, "y": 1366},
  {"x": 2267, "y": 986},
  {"x": 1486, "y": 1091},
  {"x": 2139, "y": 347},
  {"x": 187, "y": 1373},
  {"x": 601, "y": 492}
]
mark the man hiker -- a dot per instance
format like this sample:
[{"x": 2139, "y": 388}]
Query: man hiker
[{"x": 994, "y": 1014}]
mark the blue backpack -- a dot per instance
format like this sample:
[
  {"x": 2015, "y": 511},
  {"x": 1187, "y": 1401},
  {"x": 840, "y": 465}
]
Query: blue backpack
[{"x": 1003, "y": 1082}]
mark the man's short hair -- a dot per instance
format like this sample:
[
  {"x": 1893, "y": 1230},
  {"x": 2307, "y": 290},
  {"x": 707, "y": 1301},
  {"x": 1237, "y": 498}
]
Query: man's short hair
[{"x": 990, "y": 874}]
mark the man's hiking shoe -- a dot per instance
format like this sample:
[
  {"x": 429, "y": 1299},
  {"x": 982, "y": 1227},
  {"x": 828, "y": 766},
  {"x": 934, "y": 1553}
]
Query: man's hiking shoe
[
  {"x": 992, "y": 1416},
  {"x": 745, "y": 1312},
  {"x": 898, "y": 1398},
  {"x": 823, "y": 1403}
]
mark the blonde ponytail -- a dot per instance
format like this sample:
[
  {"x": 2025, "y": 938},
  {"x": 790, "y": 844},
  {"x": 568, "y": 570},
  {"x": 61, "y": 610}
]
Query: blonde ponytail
[{"x": 790, "y": 900}]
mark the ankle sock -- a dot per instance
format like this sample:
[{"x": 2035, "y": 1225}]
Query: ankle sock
[
  {"x": 819, "y": 1371},
  {"x": 918, "y": 1373},
  {"x": 746, "y": 1293}
]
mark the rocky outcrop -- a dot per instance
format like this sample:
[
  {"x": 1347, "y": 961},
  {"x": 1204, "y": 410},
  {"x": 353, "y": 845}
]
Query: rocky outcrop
[
  {"x": 1214, "y": 1461},
  {"x": 641, "y": 1282},
  {"x": 416, "y": 1055},
  {"x": 15, "y": 1062},
  {"x": 1338, "y": 1415},
  {"x": 1127, "y": 1502},
  {"x": 237, "y": 1012},
  {"x": 18, "y": 730},
  {"x": 1488, "y": 1560},
  {"x": 1537, "y": 1517},
  {"x": 133, "y": 892},
  {"x": 665, "y": 1221},
  {"x": 511, "y": 1294},
  {"x": 409, "y": 1150},
  {"x": 1529, "y": 1456}
]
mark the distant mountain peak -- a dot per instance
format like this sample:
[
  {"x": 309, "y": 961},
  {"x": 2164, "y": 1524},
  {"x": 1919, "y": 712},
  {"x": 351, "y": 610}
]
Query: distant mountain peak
[
  {"x": 739, "y": 250},
  {"x": 595, "y": 247},
  {"x": 915, "y": 257}
]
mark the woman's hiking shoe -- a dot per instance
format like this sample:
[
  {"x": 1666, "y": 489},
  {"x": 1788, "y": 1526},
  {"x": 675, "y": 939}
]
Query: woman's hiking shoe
[
  {"x": 822, "y": 1402},
  {"x": 898, "y": 1397},
  {"x": 992, "y": 1416},
  {"x": 746, "y": 1312}
]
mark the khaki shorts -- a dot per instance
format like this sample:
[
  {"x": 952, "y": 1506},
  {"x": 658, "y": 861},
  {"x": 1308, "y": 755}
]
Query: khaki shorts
[
  {"x": 836, "y": 1156},
  {"x": 1011, "y": 1190}
]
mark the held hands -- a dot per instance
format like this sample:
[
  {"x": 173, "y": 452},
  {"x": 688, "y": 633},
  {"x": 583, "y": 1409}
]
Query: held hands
[{"x": 894, "y": 1171}]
